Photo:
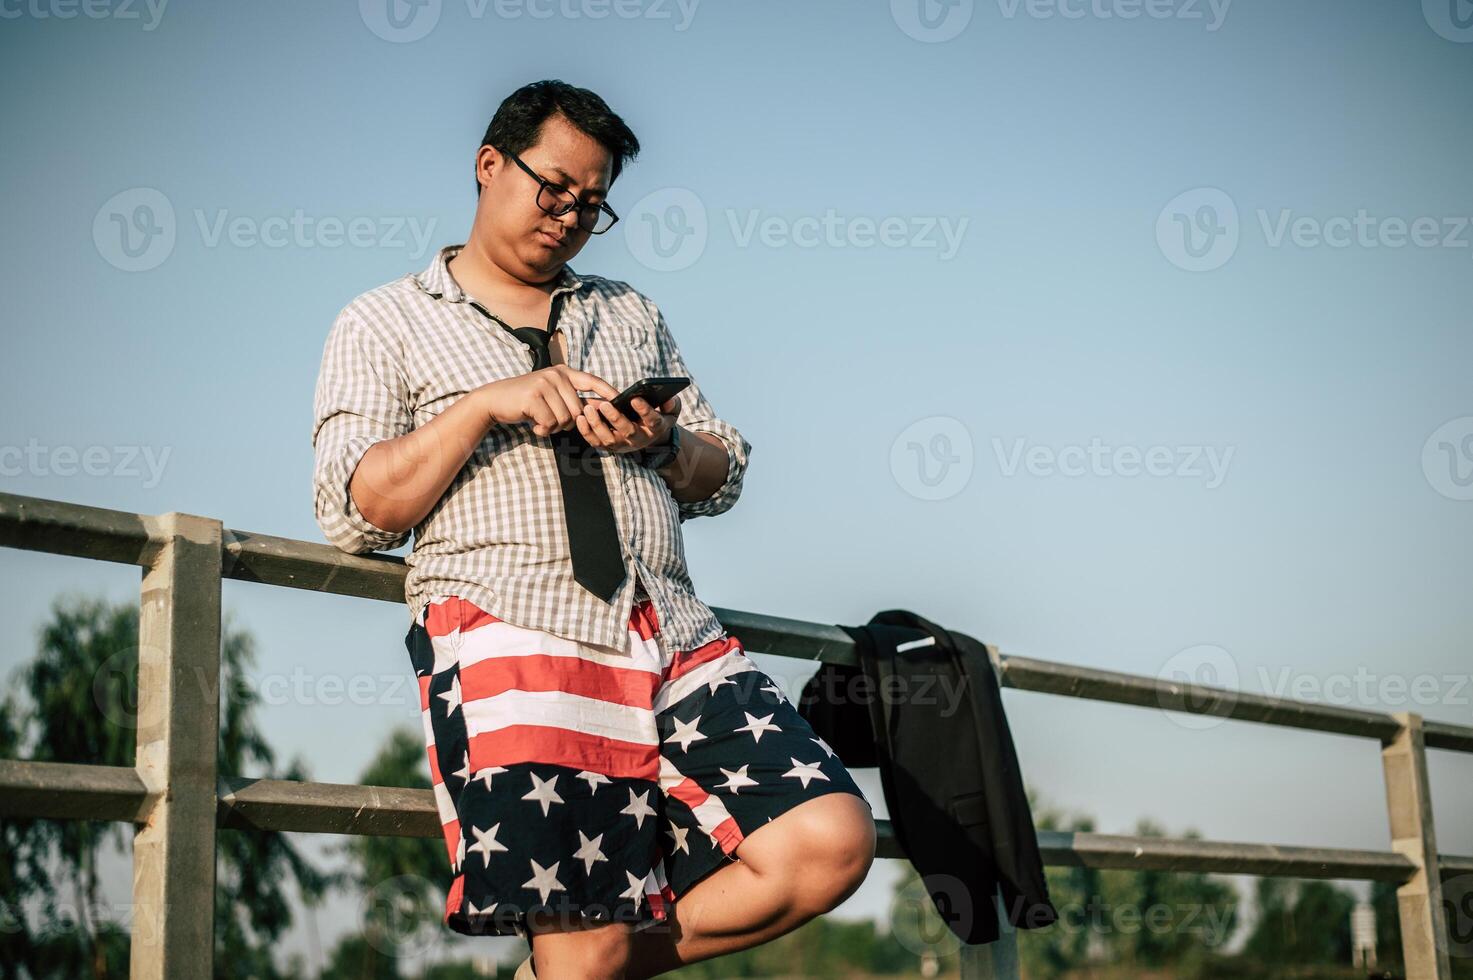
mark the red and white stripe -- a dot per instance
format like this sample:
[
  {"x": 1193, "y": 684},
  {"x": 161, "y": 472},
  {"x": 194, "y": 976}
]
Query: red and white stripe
[{"x": 531, "y": 696}]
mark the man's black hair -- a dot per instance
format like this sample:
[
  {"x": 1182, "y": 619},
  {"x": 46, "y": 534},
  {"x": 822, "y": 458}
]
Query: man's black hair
[{"x": 520, "y": 117}]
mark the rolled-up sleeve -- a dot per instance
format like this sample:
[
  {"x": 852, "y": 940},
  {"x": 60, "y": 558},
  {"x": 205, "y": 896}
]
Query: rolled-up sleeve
[
  {"x": 697, "y": 415},
  {"x": 361, "y": 399}
]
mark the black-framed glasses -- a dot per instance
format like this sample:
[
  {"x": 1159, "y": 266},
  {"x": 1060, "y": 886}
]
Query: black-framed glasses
[{"x": 557, "y": 201}]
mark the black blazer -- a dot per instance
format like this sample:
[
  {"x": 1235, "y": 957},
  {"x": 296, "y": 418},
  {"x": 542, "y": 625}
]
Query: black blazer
[{"x": 932, "y": 720}]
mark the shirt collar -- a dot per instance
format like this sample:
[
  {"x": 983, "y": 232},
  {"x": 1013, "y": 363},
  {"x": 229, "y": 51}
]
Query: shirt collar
[{"x": 439, "y": 283}]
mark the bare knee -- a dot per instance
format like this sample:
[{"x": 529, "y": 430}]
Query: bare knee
[
  {"x": 825, "y": 852},
  {"x": 601, "y": 951}
]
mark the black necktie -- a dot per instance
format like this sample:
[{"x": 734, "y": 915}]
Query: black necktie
[{"x": 593, "y": 535}]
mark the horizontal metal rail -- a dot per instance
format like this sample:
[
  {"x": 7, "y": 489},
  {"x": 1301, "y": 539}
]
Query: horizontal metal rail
[{"x": 81, "y": 792}]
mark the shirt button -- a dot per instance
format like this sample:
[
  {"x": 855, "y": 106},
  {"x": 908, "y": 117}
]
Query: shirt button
[{"x": 526, "y": 347}]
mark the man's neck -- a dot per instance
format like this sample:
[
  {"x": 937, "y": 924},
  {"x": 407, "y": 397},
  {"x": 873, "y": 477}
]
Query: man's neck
[{"x": 479, "y": 276}]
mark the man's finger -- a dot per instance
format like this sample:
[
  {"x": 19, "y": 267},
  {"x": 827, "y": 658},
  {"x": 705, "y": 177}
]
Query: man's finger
[
  {"x": 596, "y": 422},
  {"x": 592, "y": 382},
  {"x": 619, "y": 421}
]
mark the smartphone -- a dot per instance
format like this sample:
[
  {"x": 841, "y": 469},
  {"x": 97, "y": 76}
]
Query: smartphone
[{"x": 656, "y": 391}]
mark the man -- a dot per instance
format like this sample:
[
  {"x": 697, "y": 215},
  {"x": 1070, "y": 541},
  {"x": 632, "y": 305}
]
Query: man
[{"x": 617, "y": 782}]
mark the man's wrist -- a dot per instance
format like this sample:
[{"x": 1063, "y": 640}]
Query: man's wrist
[{"x": 660, "y": 455}]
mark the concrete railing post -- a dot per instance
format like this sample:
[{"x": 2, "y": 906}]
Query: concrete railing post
[
  {"x": 997, "y": 960},
  {"x": 178, "y": 735},
  {"x": 1409, "y": 806}
]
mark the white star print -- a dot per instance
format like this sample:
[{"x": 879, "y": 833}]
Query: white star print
[
  {"x": 638, "y": 807},
  {"x": 588, "y": 853},
  {"x": 486, "y": 842},
  {"x": 757, "y": 726},
  {"x": 679, "y": 834},
  {"x": 775, "y": 691},
  {"x": 544, "y": 880},
  {"x": 485, "y": 911},
  {"x": 824, "y": 744},
  {"x": 484, "y": 775},
  {"x": 714, "y": 684},
  {"x": 544, "y": 792},
  {"x": 452, "y": 696},
  {"x": 635, "y": 889},
  {"x": 464, "y": 772},
  {"x": 460, "y": 852},
  {"x": 736, "y": 780},
  {"x": 685, "y": 732},
  {"x": 804, "y": 771},
  {"x": 593, "y": 779}
]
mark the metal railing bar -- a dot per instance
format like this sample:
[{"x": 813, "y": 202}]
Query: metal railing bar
[{"x": 71, "y": 791}]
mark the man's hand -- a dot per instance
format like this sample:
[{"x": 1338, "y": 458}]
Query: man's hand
[
  {"x": 607, "y": 428},
  {"x": 548, "y": 398}
]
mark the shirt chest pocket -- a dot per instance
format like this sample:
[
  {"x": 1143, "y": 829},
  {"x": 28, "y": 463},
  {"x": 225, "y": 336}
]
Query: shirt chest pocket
[{"x": 621, "y": 351}]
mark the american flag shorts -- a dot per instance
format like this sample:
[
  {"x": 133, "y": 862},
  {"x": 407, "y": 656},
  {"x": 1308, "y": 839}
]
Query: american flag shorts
[{"x": 577, "y": 780}]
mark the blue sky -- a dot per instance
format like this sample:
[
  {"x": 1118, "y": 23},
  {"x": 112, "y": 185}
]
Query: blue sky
[{"x": 1140, "y": 342}]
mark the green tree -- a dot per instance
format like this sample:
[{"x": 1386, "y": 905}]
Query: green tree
[
  {"x": 1167, "y": 918},
  {"x": 355, "y": 957},
  {"x": 1301, "y": 922},
  {"x": 83, "y": 705},
  {"x": 24, "y": 878},
  {"x": 397, "y": 876},
  {"x": 1139, "y": 920}
]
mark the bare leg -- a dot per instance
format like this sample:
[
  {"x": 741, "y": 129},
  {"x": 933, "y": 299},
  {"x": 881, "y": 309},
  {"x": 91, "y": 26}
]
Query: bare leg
[
  {"x": 580, "y": 950},
  {"x": 801, "y": 865}
]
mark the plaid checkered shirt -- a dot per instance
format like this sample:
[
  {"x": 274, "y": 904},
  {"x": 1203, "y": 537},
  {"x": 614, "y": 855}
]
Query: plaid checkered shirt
[{"x": 401, "y": 353}]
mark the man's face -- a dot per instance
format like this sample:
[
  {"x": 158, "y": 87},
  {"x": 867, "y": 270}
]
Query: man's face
[{"x": 523, "y": 239}]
